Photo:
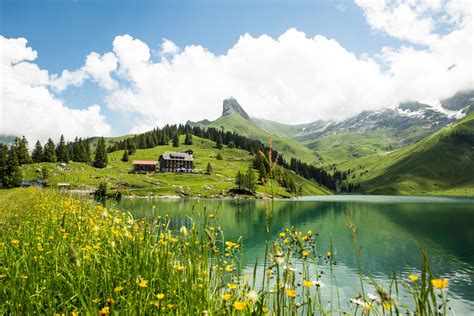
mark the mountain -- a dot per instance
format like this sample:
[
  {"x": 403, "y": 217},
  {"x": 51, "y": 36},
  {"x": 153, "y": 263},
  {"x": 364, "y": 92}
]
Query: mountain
[
  {"x": 461, "y": 101},
  {"x": 7, "y": 139},
  {"x": 442, "y": 163},
  {"x": 235, "y": 119}
]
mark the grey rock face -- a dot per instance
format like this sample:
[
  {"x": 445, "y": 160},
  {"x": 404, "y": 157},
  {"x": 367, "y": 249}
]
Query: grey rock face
[{"x": 231, "y": 106}]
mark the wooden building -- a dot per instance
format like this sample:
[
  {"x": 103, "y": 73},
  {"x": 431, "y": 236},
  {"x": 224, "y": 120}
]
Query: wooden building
[
  {"x": 144, "y": 166},
  {"x": 177, "y": 162}
]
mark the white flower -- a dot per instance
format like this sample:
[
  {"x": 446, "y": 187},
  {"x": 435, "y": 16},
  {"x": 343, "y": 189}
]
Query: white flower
[
  {"x": 105, "y": 214},
  {"x": 184, "y": 231},
  {"x": 319, "y": 284},
  {"x": 358, "y": 301},
  {"x": 252, "y": 295},
  {"x": 373, "y": 297},
  {"x": 289, "y": 269}
]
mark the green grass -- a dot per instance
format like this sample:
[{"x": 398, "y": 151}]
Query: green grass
[
  {"x": 116, "y": 174},
  {"x": 67, "y": 256},
  {"x": 441, "y": 164},
  {"x": 286, "y": 146}
]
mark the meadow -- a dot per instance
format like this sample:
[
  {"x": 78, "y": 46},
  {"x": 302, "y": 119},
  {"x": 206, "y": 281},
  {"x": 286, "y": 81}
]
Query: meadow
[
  {"x": 118, "y": 177},
  {"x": 62, "y": 255}
]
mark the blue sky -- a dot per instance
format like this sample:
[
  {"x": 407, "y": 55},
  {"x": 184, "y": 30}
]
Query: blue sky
[{"x": 303, "y": 60}]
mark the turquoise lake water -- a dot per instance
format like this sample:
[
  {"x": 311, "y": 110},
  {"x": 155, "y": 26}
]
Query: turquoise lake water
[{"x": 391, "y": 230}]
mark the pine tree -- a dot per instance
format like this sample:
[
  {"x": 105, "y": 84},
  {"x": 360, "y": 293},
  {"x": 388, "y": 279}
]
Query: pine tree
[
  {"x": 219, "y": 141},
  {"x": 3, "y": 161},
  {"x": 175, "y": 140},
  {"x": 188, "y": 140},
  {"x": 250, "y": 180},
  {"x": 209, "y": 168},
  {"x": 49, "y": 152},
  {"x": 37, "y": 154},
  {"x": 100, "y": 160},
  {"x": 13, "y": 176},
  {"x": 20, "y": 148},
  {"x": 239, "y": 180},
  {"x": 125, "y": 156},
  {"x": 62, "y": 152}
]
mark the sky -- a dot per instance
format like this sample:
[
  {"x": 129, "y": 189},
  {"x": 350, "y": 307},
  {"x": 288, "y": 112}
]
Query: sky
[{"x": 86, "y": 68}]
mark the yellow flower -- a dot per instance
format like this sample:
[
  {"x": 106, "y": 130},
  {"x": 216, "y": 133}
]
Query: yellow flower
[
  {"x": 413, "y": 278},
  {"x": 96, "y": 300},
  {"x": 291, "y": 293},
  {"x": 104, "y": 311},
  {"x": 16, "y": 242},
  {"x": 305, "y": 253},
  {"x": 329, "y": 254},
  {"x": 110, "y": 300},
  {"x": 239, "y": 305},
  {"x": 142, "y": 283},
  {"x": 75, "y": 313},
  {"x": 310, "y": 232},
  {"x": 366, "y": 309},
  {"x": 265, "y": 309},
  {"x": 118, "y": 288},
  {"x": 226, "y": 297},
  {"x": 285, "y": 241},
  {"x": 440, "y": 283},
  {"x": 160, "y": 296},
  {"x": 179, "y": 267},
  {"x": 308, "y": 283},
  {"x": 231, "y": 286},
  {"x": 282, "y": 234},
  {"x": 386, "y": 305},
  {"x": 229, "y": 268}
]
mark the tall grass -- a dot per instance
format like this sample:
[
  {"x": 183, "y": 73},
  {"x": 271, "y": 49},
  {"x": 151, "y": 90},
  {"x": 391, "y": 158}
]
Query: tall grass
[{"x": 68, "y": 256}]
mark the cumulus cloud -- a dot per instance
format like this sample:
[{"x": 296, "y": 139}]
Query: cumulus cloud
[{"x": 29, "y": 108}]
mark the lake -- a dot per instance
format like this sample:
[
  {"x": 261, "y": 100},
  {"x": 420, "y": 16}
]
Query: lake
[{"x": 391, "y": 230}]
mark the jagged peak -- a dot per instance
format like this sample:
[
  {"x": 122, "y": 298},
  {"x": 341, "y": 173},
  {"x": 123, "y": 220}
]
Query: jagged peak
[{"x": 231, "y": 106}]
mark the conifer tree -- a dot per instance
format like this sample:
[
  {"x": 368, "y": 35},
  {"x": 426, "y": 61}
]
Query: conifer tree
[
  {"x": 188, "y": 140},
  {"x": 175, "y": 140},
  {"x": 12, "y": 176},
  {"x": 125, "y": 156},
  {"x": 62, "y": 152},
  {"x": 219, "y": 141},
  {"x": 250, "y": 180},
  {"x": 239, "y": 180},
  {"x": 49, "y": 152},
  {"x": 3, "y": 161},
  {"x": 100, "y": 160},
  {"x": 20, "y": 148},
  {"x": 37, "y": 154}
]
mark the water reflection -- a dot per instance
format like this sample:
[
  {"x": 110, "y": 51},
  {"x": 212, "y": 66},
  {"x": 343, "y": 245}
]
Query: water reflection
[{"x": 391, "y": 231}]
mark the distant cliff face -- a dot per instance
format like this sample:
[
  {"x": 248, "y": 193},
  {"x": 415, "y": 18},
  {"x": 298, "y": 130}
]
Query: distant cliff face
[{"x": 231, "y": 106}]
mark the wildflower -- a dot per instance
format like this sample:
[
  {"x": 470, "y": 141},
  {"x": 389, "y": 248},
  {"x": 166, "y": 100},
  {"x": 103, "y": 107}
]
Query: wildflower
[
  {"x": 439, "y": 283},
  {"x": 226, "y": 297},
  {"x": 110, "y": 301},
  {"x": 310, "y": 232},
  {"x": 413, "y": 278},
  {"x": 118, "y": 288},
  {"x": 373, "y": 297},
  {"x": 179, "y": 267},
  {"x": 290, "y": 293},
  {"x": 16, "y": 242},
  {"x": 319, "y": 284},
  {"x": 305, "y": 253},
  {"x": 184, "y": 231},
  {"x": 142, "y": 282},
  {"x": 156, "y": 304},
  {"x": 358, "y": 301},
  {"x": 229, "y": 268},
  {"x": 265, "y": 309},
  {"x": 231, "y": 286},
  {"x": 308, "y": 283},
  {"x": 329, "y": 254},
  {"x": 104, "y": 311},
  {"x": 160, "y": 296},
  {"x": 75, "y": 313},
  {"x": 252, "y": 296},
  {"x": 277, "y": 255},
  {"x": 96, "y": 300},
  {"x": 366, "y": 309},
  {"x": 238, "y": 305},
  {"x": 282, "y": 234},
  {"x": 285, "y": 241},
  {"x": 386, "y": 305},
  {"x": 305, "y": 238}
]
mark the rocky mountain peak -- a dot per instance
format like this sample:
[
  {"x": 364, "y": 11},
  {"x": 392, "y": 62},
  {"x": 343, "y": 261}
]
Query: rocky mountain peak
[{"x": 231, "y": 106}]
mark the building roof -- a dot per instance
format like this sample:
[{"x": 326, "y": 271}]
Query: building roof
[
  {"x": 177, "y": 155},
  {"x": 144, "y": 162}
]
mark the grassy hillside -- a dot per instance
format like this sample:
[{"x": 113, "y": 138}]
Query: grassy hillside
[
  {"x": 442, "y": 163},
  {"x": 286, "y": 146},
  {"x": 116, "y": 174}
]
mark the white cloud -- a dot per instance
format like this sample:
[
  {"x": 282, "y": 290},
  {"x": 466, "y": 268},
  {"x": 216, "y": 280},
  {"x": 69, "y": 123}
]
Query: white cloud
[{"x": 29, "y": 108}]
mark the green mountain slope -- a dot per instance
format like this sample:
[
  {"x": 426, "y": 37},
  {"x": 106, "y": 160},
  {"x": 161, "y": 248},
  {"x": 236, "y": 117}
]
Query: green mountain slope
[
  {"x": 442, "y": 163},
  {"x": 116, "y": 174},
  {"x": 286, "y": 146}
]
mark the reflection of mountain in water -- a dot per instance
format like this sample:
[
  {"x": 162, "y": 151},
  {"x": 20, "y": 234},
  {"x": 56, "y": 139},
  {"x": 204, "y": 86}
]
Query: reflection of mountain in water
[{"x": 391, "y": 234}]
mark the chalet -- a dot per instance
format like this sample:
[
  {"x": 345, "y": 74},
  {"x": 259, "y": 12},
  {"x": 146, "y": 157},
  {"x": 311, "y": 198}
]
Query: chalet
[
  {"x": 177, "y": 161},
  {"x": 144, "y": 166}
]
